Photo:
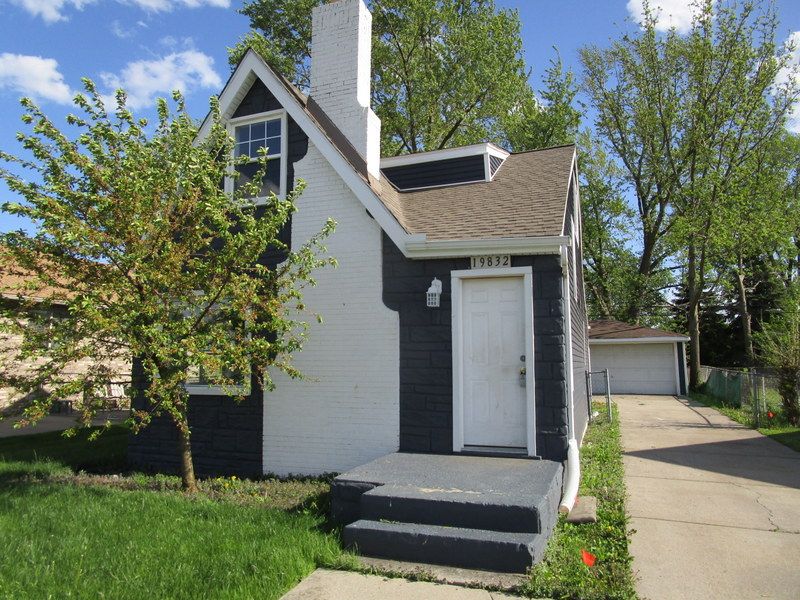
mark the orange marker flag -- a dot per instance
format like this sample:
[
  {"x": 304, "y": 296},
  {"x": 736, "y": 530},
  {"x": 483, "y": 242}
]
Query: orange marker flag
[{"x": 588, "y": 558}]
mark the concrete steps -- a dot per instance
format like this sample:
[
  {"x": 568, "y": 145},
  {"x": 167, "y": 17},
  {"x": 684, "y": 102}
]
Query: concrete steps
[
  {"x": 450, "y": 508},
  {"x": 456, "y": 546},
  {"x": 469, "y": 512}
]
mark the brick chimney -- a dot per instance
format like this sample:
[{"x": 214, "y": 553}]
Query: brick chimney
[{"x": 341, "y": 63}]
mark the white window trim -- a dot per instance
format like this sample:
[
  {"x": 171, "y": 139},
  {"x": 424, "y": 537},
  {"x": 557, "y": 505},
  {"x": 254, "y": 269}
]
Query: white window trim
[
  {"x": 457, "y": 279},
  {"x": 217, "y": 390},
  {"x": 271, "y": 115},
  {"x": 199, "y": 389}
]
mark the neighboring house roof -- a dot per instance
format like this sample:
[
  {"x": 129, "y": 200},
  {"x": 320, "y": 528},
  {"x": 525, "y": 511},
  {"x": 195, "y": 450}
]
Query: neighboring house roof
[
  {"x": 608, "y": 330},
  {"x": 17, "y": 282},
  {"x": 527, "y": 199}
]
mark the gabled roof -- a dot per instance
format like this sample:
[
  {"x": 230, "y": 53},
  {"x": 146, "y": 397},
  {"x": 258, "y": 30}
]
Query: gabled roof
[
  {"x": 617, "y": 330},
  {"x": 522, "y": 210}
]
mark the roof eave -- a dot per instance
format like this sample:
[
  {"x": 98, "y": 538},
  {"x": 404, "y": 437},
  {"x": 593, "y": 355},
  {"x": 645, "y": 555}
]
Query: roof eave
[
  {"x": 421, "y": 248},
  {"x": 639, "y": 340}
]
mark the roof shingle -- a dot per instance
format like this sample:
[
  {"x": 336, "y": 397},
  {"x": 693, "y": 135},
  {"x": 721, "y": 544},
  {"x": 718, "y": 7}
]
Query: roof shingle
[{"x": 617, "y": 330}]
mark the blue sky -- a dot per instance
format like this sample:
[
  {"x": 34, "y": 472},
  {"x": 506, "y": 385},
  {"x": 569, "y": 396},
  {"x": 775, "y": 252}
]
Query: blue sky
[{"x": 150, "y": 47}]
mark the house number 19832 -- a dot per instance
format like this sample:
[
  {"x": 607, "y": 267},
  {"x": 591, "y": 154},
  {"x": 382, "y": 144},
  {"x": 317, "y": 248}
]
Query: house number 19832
[{"x": 491, "y": 260}]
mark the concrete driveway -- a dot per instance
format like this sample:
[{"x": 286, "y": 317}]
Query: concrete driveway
[{"x": 715, "y": 506}]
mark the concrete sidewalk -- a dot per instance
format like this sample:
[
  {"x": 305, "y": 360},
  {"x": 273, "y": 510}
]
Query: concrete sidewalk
[
  {"x": 715, "y": 505},
  {"x": 57, "y": 423},
  {"x": 323, "y": 584}
]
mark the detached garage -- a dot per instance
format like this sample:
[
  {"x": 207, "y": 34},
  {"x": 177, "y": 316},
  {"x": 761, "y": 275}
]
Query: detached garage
[{"x": 640, "y": 360}]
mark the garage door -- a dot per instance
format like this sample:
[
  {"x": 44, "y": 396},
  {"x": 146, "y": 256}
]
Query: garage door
[{"x": 635, "y": 368}]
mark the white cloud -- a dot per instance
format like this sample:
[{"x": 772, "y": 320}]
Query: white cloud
[
  {"x": 33, "y": 76},
  {"x": 145, "y": 80},
  {"x": 121, "y": 32},
  {"x": 52, "y": 11},
  {"x": 669, "y": 13}
]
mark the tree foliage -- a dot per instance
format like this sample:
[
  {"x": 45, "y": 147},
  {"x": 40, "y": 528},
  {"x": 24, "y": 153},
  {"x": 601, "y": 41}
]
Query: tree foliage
[
  {"x": 445, "y": 72},
  {"x": 153, "y": 260},
  {"x": 780, "y": 349},
  {"x": 690, "y": 118}
]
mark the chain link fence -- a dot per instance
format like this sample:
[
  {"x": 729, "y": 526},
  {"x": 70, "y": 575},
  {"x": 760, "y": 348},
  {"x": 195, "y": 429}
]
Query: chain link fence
[{"x": 753, "y": 392}]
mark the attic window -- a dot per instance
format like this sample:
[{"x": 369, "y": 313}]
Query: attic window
[{"x": 251, "y": 133}]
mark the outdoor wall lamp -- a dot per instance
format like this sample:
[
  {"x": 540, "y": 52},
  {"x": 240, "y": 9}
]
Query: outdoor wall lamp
[{"x": 434, "y": 293}]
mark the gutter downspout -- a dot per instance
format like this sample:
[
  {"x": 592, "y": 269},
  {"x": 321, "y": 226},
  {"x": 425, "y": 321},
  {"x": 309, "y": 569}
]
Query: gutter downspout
[{"x": 572, "y": 475}]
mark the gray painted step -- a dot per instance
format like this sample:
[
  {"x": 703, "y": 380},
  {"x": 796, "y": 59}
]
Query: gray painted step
[
  {"x": 467, "y": 548},
  {"x": 454, "y": 508}
]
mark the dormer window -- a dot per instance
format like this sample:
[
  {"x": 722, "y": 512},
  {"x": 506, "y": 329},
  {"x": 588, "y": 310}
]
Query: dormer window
[
  {"x": 440, "y": 168},
  {"x": 265, "y": 130}
]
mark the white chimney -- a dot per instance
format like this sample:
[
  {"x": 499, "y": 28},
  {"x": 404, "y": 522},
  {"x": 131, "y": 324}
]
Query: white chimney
[{"x": 341, "y": 63}]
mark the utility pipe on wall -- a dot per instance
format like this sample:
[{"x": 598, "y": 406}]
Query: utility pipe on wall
[{"x": 572, "y": 474}]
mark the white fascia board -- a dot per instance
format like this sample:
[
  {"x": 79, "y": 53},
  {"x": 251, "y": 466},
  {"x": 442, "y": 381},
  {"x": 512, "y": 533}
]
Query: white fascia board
[
  {"x": 494, "y": 150},
  {"x": 650, "y": 340},
  {"x": 418, "y": 248},
  {"x": 252, "y": 63},
  {"x": 446, "y": 154},
  {"x": 573, "y": 170}
]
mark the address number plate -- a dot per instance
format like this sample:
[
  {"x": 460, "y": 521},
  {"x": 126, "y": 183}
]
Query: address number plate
[{"x": 490, "y": 261}]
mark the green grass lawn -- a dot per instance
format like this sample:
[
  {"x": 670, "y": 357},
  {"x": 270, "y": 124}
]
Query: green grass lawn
[
  {"x": 84, "y": 536},
  {"x": 778, "y": 428},
  {"x": 70, "y": 527},
  {"x": 562, "y": 573}
]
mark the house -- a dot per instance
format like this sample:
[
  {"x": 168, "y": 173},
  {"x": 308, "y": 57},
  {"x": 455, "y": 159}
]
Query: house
[
  {"x": 454, "y": 327},
  {"x": 493, "y": 359},
  {"x": 640, "y": 360},
  {"x": 39, "y": 306}
]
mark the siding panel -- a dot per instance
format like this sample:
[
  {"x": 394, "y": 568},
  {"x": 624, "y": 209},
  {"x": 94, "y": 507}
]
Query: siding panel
[{"x": 439, "y": 172}]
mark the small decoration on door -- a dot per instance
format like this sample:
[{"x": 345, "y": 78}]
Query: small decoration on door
[{"x": 434, "y": 293}]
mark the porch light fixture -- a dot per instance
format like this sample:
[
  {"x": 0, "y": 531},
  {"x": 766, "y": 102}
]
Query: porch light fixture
[{"x": 434, "y": 293}]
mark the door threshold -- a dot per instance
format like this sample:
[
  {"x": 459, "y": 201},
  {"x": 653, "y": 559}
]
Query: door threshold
[{"x": 501, "y": 451}]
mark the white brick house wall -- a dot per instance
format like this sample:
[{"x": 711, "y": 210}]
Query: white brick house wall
[{"x": 348, "y": 412}]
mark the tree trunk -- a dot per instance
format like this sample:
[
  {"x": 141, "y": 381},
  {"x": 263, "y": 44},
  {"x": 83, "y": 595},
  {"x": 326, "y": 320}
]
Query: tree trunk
[
  {"x": 693, "y": 318},
  {"x": 187, "y": 467},
  {"x": 745, "y": 317}
]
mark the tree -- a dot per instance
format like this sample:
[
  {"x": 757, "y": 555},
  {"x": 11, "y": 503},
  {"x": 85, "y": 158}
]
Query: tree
[
  {"x": 684, "y": 116},
  {"x": 444, "y": 71},
  {"x": 757, "y": 230},
  {"x": 633, "y": 87},
  {"x": 780, "y": 349},
  {"x": 610, "y": 266},
  {"x": 548, "y": 120},
  {"x": 153, "y": 260},
  {"x": 731, "y": 109}
]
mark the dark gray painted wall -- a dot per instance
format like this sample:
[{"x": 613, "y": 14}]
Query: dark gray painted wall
[
  {"x": 227, "y": 438},
  {"x": 438, "y": 172},
  {"x": 426, "y": 376}
]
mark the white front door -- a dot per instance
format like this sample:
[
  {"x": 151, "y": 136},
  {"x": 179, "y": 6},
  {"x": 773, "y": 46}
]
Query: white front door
[{"x": 494, "y": 339}]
